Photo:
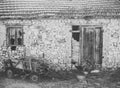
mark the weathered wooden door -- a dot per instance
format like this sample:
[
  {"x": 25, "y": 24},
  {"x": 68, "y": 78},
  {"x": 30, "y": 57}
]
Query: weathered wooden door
[{"x": 91, "y": 46}]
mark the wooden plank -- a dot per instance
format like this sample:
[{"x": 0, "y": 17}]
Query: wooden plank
[
  {"x": 90, "y": 44},
  {"x": 82, "y": 44},
  {"x": 97, "y": 44},
  {"x": 30, "y": 64},
  {"x": 80, "y": 47},
  {"x": 101, "y": 46},
  {"x": 94, "y": 45}
]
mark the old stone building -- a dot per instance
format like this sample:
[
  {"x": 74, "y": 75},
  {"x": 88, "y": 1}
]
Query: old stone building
[{"x": 61, "y": 30}]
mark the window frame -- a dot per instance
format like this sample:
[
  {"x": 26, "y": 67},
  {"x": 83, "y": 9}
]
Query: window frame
[{"x": 8, "y": 28}]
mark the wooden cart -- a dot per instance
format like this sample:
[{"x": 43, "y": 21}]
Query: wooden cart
[{"x": 30, "y": 68}]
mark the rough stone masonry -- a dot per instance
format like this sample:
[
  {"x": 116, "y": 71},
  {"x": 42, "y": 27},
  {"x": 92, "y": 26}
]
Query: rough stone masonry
[{"x": 53, "y": 38}]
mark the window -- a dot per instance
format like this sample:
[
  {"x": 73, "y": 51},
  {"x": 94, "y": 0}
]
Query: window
[
  {"x": 75, "y": 28},
  {"x": 14, "y": 35},
  {"x": 75, "y": 32}
]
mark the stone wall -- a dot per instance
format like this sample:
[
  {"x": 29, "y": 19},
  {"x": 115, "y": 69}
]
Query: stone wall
[
  {"x": 53, "y": 38},
  {"x": 2, "y": 34},
  {"x": 3, "y": 53},
  {"x": 111, "y": 41}
]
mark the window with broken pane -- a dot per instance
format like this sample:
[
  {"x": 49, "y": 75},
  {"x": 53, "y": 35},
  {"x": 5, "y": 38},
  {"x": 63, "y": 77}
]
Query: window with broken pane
[
  {"x": 75, "y": 32},
  {"x": 14, "y": 36}
]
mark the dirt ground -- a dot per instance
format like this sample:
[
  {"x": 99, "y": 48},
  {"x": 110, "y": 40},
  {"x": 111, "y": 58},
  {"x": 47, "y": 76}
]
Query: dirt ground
[{"x": 104, "y": 79}]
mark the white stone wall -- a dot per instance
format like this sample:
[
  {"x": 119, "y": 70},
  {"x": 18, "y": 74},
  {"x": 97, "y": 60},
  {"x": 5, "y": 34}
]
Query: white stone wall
[
  {"x": 2, "y": 41},
  {"x": 56, "y": 30},
  {"x": 53, "y": 38},
  {"x": 2, "y": 33},
  {"x": 111, "y": 41},
  {"x": 75, "y": 50}
]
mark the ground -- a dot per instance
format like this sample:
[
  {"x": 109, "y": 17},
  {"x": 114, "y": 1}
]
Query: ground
[{"x": 105, "y": 79}]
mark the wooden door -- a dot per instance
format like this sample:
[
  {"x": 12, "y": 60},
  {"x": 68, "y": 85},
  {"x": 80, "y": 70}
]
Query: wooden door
[{"x": 91, "y": 46}]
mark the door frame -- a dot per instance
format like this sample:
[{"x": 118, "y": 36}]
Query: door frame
[{"x": 81, "y": 28}]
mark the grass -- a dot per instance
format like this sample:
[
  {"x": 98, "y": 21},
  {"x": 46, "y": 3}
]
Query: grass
[{"x": 64, "y": 79}]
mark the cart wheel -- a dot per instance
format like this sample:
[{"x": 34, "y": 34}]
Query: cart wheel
[
  {"x": 34, "y": 77},
  {"x": 9, "y": 73}
]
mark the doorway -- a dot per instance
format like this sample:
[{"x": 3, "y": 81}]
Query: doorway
[{"x": 91, "y": 42}]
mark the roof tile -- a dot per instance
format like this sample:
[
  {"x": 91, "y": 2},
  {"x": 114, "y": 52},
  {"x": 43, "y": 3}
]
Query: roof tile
[{"x": 20, "y": 8}]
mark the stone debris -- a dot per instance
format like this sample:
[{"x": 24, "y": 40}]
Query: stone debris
[{"x": 95, "y": 71}]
